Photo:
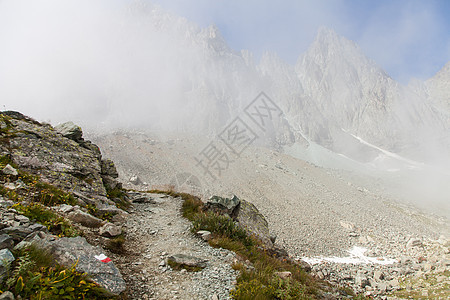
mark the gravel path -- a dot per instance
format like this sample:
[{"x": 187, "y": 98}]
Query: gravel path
[{"x": 155, "y": 230}]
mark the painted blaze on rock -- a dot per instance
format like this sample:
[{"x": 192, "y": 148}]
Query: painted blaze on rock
[{"x": 70, "y": 251}]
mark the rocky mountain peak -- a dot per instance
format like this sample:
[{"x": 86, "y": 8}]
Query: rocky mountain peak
[
  {"x": 214, "y": 39},
  {"x": 438, "y": 87},
  {"x": 328, "y": 46},
  {"x": 443, "y": 76},
  {"x": 327, "y": 35}
]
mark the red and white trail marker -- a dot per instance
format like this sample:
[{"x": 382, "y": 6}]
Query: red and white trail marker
[{"x": 103, "y": 258}]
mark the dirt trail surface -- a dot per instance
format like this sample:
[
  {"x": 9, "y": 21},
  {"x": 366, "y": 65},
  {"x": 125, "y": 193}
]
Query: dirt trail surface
[{"x": 156, "y": 230}]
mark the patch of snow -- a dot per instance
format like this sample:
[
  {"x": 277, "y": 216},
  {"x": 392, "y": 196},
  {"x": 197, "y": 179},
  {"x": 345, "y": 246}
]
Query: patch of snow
[
  {"x": 356, "y": 256},
  {"x": 412, "y": 163}
]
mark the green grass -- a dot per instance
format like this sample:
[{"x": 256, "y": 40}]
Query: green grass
[
  {"x": 54, "y": 223},
  {"x": 119, "y": 196},
  {"x": 36, "y": 190}
]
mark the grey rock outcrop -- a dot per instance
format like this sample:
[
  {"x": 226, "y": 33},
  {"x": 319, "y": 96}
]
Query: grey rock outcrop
[
  {"x": 245, "y": 214},
  {"x": 186, "y": 261},
  {"x": 68, "y": 251},
  {"x": 222, "y": 205},
  {"x": 70, "y": 131},
  {"x": 58, "y": 155},
  {"x": 9, "y": 170},
  {"x": 413, "y": 242},
  {"x": 110, "y": 230},
  {"x": 109, "y": 175},
  {"x": 6, "y": 257},
  {"x": 84, "y": 219}
]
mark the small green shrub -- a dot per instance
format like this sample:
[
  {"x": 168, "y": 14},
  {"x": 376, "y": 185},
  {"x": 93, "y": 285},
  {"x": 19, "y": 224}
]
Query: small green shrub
[
  {"x": 252, "y": 289},
  {"x": 50, "y": 195},
  {"x": 116, "y": 244},
  {"x": 221, "y": 226},
  {"x": 119, "y": 196}
]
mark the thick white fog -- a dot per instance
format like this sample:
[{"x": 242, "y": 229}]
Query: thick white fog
[
  {"x": 88, "y": 61},
  {"x": 129, "y": 64}
]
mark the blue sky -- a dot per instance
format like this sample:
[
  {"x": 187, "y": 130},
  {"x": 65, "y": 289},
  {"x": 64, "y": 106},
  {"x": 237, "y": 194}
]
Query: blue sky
[{"x": 408, "y": 38}]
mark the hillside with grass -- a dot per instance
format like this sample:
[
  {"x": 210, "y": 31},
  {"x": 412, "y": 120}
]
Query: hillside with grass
[{"x": 64, "y": 227}]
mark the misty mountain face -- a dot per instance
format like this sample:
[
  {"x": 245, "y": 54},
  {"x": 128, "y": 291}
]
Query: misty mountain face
[
  {"x": 160, "y": 71},
  {"x": 357, "y": 98},
  {"x": 334, "y": 96}
]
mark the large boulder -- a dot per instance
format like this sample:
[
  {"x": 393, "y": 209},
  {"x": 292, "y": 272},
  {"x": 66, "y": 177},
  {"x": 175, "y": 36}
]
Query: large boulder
[
  {"x": 191, "y": 263},
  {"x": 85, "y": 219},
  {"x": 244, "y": 213},
  {"x": 253, "y": 222},
  {"x": 6, "y": 257},
  {"x": 222, "y": 205},
  {"x": 70, "y": 131},
  {"x": 88, "y": 259},
  {"x": 110, "y": 230}
]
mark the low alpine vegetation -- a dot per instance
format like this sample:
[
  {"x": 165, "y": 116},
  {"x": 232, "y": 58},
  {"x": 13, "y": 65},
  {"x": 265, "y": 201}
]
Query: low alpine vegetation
[
  {"x": 55, "y": 224},
  {"x": 33, "y": 276}
]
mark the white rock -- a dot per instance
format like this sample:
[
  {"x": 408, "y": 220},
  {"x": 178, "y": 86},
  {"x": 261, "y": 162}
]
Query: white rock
[
  {"x": 9, "y": 170},
  {"x": 110, "y": 230}
]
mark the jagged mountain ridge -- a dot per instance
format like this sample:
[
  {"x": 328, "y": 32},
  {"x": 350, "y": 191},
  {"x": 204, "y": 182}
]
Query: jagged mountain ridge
[
  {"x": 356, "y": 95},
  {"x": 331, "y": 95},
  {"x": 333, "y": 91}
]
